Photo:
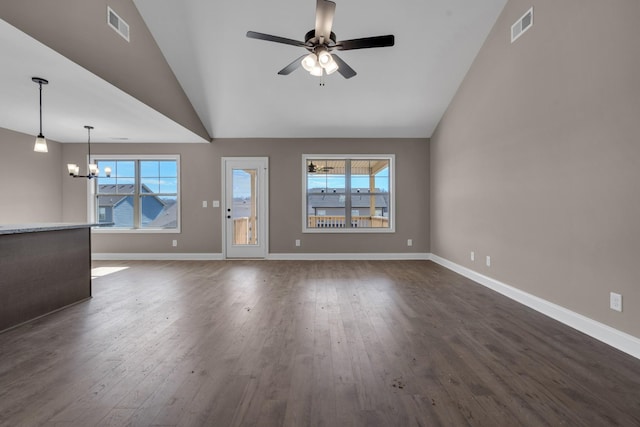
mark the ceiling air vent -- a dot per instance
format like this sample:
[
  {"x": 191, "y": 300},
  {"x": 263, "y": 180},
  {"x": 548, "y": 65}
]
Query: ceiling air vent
[
  {"x": 521, "y": 25},
  {"x": 117, "y": 23}
]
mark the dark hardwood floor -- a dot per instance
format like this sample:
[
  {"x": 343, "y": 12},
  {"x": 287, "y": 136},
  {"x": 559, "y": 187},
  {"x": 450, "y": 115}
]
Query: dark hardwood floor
[{"x": 270, "y": 343}]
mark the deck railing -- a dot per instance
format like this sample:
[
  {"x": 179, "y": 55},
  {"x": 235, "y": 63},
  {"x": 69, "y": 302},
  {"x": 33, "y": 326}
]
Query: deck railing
[
  {"x": 244, "y": 231},
  {"x": 335, "y": 221}
]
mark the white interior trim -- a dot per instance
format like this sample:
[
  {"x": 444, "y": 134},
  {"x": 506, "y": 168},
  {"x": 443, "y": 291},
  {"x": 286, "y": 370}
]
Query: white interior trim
[
  {"x": 608, "y": 335},
  {"x": 156, "y": 257},
  {"x": 275, "y": 257},
  {"x": 392, "y": 192},
  {"x": 261, "y": 165},
  {"x": 348, "y": 256}
]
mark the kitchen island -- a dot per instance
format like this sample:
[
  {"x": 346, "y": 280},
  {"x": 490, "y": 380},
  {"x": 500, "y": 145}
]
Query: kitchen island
[{"x": 43, "y": 268}]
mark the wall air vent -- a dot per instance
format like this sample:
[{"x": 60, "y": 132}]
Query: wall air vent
[
  {"x": 117, "y": 23},
  {"x": 521, "y": 25}
]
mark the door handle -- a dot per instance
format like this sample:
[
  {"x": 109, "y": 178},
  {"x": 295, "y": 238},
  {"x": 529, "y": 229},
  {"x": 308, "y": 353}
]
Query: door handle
[{"x": 229, "y": 216}]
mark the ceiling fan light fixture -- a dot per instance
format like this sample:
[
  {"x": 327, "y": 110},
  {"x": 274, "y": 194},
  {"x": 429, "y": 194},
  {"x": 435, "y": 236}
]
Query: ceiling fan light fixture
[
  {"x": 316, "y": 71},
  {"x": 324, "y": 57},
  {"x": 331, "y": 67},
  {"x": 309, "y": 62}
]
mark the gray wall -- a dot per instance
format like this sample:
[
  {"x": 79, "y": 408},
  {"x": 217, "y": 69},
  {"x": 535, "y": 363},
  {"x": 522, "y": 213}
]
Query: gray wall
[
  {"x": 30, "y": 182},
  {"x": 202, "y": 180},
  {"x": 138, "y": 68},
  {"x": 536, "y": 161}
]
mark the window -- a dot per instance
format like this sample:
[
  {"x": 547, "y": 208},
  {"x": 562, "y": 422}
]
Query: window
[
  {"x": 142, "y": 194},
  {"x": 346, "y": 194}
]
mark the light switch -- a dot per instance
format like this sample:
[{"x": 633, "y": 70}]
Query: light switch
[
  {"x": 216, "y": 203},
  {"x": 204, "y": 203}
]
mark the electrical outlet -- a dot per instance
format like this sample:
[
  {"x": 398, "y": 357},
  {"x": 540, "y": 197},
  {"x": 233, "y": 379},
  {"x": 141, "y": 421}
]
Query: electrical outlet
[
  {"x": 174, "y": 243},
  {"x": 297, "y": 242},
  {"x": 473, "y": 256},
  {"x": 615, "y": 301},
  {"x": 409, "y": 242},
  {"x": 488, "y": 261}
]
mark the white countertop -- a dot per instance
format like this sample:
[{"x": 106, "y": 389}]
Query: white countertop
[{"x": 45, "y": 226}]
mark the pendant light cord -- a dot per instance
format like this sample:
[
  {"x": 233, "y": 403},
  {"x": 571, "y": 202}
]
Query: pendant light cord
[{"x": 40, "y": 84}]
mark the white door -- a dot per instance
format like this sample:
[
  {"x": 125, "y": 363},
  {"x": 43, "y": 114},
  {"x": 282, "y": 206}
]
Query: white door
[{"x": 245, "y": 186}]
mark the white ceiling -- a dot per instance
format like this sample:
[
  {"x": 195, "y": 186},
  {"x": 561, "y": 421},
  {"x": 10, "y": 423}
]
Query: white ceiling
[
  {"x": 400, "y": 91},
  {"x": 232, "y": 81},
  {"x": 73, "y": 98}
]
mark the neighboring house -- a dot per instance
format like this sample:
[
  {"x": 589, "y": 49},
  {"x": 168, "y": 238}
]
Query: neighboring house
[
  {"x": 167, "y": 218},
  {"x": 116, "y": 206},
  {"x": 331, "y": 202}
]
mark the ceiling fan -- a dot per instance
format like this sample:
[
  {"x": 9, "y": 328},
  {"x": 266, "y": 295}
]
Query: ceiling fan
[
  {"x": 315, "y": 169},
  {"x": 320, "y": 42}
]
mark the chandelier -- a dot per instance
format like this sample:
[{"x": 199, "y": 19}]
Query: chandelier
[{"x": 92, "y": 171}]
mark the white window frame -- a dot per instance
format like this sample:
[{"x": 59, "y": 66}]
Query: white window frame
[
  {"x": 91, "y": 210},
  {"x": 392, "y": 190}
]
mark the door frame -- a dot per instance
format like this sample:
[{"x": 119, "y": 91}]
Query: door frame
[{"x": 262, "y": 200}]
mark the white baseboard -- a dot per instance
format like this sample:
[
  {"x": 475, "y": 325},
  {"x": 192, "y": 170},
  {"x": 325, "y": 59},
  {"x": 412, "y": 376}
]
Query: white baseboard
[
  {"x": 615, "y": 338},
  {"x": 277, "y": 256},
  {"x": 347, "y": 256},
  {"x": 156, "y": 257}
]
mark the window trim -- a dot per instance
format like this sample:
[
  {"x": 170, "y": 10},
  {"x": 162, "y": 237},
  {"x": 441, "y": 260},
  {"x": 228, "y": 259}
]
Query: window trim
[
  {"x": 91, "y": 210},
  {"x": 392, "y": 190}
]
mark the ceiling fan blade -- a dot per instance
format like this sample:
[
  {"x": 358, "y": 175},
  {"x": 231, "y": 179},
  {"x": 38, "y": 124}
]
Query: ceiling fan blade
[
  {"x": 325, "y": 10},
  {"x": 292, "y": 67},
  {"x": 366, "y": 42},
  {"x": 277, "y": 39},
  {"x": 344, "y": 69}
]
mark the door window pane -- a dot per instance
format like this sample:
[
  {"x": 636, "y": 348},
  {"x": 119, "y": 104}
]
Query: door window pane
[{"x": 245, "y": 207}]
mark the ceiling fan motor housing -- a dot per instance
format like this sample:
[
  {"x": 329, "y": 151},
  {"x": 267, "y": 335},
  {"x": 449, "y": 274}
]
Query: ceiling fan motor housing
[{"x": 308, "y": 39}]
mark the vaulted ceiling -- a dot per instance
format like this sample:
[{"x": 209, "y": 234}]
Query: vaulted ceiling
[
  {"x": 232, "y": 81},
  {"x": 400, "y": 91}
]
